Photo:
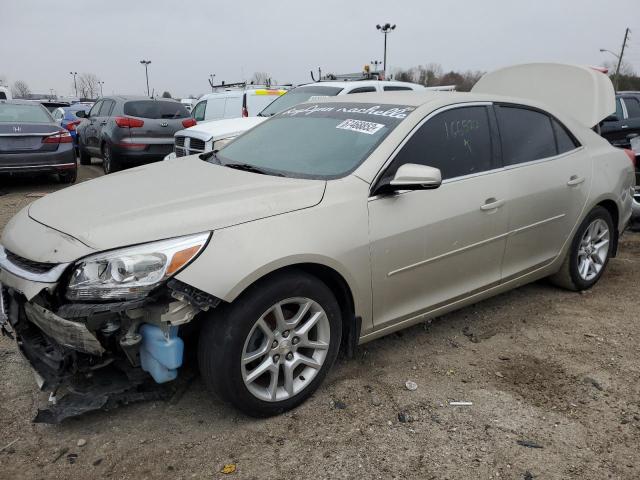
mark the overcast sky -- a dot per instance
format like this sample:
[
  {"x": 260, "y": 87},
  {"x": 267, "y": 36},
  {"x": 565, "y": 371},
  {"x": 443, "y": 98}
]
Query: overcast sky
[{"x": 41, "y": 41}]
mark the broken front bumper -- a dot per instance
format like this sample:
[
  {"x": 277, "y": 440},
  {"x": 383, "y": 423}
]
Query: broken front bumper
[{"x": 98, "y": 353}]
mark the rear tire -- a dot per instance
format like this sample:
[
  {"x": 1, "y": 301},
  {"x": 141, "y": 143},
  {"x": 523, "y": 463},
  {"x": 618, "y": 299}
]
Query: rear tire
[
  {"x": 68, "y": 177},
  {"x": 288, "y": 327},
  {"x": 588, "y": 254},
  {"x": 109, "y": 163}
]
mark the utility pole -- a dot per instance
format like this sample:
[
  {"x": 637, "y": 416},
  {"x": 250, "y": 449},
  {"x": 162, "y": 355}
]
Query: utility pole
[
  {"x": 624, "y": 44},
  {"x": 386, "y": 29},
  {"x": 75, "y": 85},
  {"x": 211, "y": 77},
  {"x": 146, "y": 72}
]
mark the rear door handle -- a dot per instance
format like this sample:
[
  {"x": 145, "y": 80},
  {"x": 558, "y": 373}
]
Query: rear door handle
[
  {"x": 624, "y": 126},
  {"x": 103, "y": 122},
  {"x": 491, "y": 204},
  {"x": 575, "y": 180}
]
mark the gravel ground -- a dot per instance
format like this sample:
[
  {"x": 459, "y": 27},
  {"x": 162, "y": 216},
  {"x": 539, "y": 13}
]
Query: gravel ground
[{"x": 553, "y": 377}]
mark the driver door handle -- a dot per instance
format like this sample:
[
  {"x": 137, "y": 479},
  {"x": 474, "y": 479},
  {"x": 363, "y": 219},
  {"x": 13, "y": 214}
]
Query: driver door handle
[
  {"x": 103, "y": 122},
  {"x": 491, "y": 204},
  {"x": 575, "y": 180}
]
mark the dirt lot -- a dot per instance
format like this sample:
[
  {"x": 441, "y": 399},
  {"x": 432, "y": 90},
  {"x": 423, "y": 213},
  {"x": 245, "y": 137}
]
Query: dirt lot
[{"x": 545, "y": 367}]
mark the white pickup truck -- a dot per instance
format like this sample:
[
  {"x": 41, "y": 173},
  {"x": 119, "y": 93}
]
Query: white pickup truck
[{"x": 211, "y": 135}]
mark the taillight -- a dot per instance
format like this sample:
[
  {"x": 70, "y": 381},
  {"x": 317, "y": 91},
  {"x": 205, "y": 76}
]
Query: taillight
[
  {"x": 71, "y": 126},
  {"x": 632, "y": 156},
  {"x": 63, "y": 136},
  {"x": 189, "y": 122},
  {"x": 124, "y": 122},
  {"x": 245, "y": 112}
]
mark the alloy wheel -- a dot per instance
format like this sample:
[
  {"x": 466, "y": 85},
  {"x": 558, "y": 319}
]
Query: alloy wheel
[
  {"x": 106, "y": 159},
  {"x": 593, "y": 250},
  {"x": 285, "y": 349}
]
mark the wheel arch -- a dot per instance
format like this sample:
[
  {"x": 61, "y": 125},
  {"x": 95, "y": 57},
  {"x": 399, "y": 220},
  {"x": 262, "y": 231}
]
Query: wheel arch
[
  {"x": 612, "y": 207},
  {"x": 339, "y": 286}
]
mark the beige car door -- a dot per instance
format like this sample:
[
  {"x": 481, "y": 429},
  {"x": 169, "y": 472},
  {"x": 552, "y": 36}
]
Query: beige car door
[
  {"x": 549, "y": 178},
  {"x": 431, "y": 247}
]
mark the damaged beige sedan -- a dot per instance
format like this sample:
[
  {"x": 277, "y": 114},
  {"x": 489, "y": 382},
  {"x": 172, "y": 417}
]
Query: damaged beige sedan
[{"x": 327, "y": 226}]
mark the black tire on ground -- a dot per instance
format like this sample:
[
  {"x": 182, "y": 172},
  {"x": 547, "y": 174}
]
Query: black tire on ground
[
  {"x": 85, "y": 158},
  {"x": 568, "y": 276},
  {"x": 68, "y": 177},
  {"x": 225, "y": 331},
  {"x": 110, "y": 163}
]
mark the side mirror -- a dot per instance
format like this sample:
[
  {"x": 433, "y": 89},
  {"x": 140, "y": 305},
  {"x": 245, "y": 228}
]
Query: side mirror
[
  {"x": 412, "y": 176},
  {"x": 81, "y": 114},
  {"x": 611, "y": 118}
]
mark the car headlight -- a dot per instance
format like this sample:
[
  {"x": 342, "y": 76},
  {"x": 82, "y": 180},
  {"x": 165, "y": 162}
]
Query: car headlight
[{"x": 132, "y": 272}]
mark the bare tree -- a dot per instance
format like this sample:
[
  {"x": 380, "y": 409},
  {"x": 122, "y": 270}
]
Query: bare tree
[
  {"x": 166, "y": 94},
  {"x": 20, "y": 89},
  {"x": 3, "y": 81},
  {"x": 88, "y": 86},
  {"x": 261, "y": 78}
]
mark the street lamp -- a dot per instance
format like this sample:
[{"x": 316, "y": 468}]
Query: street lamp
[
  {"x": 604, "y": 50},
  {"x": 211, "y": 77},
  {"x": 146, "y": 72},
  {"x": 386, "y": 29},
  {"x": 75, "y": 85},
  {"x": 376, "y": 64},
  {"x": 101, "y": 83}
]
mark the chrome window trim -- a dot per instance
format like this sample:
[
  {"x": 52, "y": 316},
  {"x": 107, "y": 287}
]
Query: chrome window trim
[
  {"x": 413, "y": 131},
  {"x": 625, "y": 112},
  {"x": 52, "y": 276},
  {"x": 543, "y": 160}
]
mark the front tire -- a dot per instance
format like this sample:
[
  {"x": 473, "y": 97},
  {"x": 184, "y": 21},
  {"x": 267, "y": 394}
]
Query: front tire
[
  {"x": 270, "y": 349},
  {"x": 589, "y": 252}
]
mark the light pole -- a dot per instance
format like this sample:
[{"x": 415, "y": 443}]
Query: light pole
[
  {"x": 101, "y": 83},
  {"x": 376, "y": 64},
  {"x": 146, "y": 72},
  {"x": 211, "y": 77},
  {"x": 75, "y": 85},
  {"x": 386, "y": 29}
]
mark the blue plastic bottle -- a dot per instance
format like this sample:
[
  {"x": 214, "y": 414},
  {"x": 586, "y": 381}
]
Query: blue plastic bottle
[{"x": 161, "y": 355}]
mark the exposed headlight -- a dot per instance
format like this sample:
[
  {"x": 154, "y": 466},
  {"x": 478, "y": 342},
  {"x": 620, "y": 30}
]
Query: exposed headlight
[{"x": 132, "y": 272}]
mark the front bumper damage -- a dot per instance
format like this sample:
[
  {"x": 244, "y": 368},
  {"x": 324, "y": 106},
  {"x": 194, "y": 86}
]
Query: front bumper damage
[{"x": 101, "y": 355}]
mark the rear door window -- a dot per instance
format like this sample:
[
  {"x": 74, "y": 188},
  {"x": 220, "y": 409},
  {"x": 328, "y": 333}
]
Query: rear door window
[
  {"x": 526, "y": 135},
  {"x": 107, "y": 107},
  {"x": 155, "y": 109},
  {"x": 566, "y": 142},
  {"x": 456, "y": 141},
  {"x": 633, "y": 107}
]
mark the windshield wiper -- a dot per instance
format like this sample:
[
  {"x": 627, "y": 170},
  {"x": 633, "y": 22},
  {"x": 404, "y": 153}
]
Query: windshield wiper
[
  {"x": 245, "y": 167},
  {"x": 212, "y": 155}
]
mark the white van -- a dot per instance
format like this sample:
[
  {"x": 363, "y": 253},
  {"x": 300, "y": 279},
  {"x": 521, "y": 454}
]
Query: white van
[
  {"x": 234, "y": 103},
  {"x": 208, "y": 136},
  {"x": 5, "y": 93}
]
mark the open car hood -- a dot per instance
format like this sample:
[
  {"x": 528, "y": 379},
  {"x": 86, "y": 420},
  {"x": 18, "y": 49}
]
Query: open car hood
[
  {"x": 169, "y": 199},
  {"x": 581, "y": 92}
]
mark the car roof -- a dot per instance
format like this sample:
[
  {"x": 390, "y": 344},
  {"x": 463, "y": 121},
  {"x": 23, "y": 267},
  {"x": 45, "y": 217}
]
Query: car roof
[
  {"x": 362, "y": 83},
  {"x": 21, "y": 102},
  {"x": 127, "y": 98},
  {"x": 435, "y": 97}
]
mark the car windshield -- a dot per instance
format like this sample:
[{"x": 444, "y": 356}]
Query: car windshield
[
  {"x": 155, "y": 109},
  {"x": 298, "y": 95},
  {"x": 17, "y": 113},
  {"x": 321, "y": 141}
]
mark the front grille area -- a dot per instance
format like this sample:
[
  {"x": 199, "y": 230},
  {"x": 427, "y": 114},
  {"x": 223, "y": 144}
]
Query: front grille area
[
  {"x": 29, "y": 265},
  {"x": 188, "y": 146},
  {"x": 196, "y": 144}
]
